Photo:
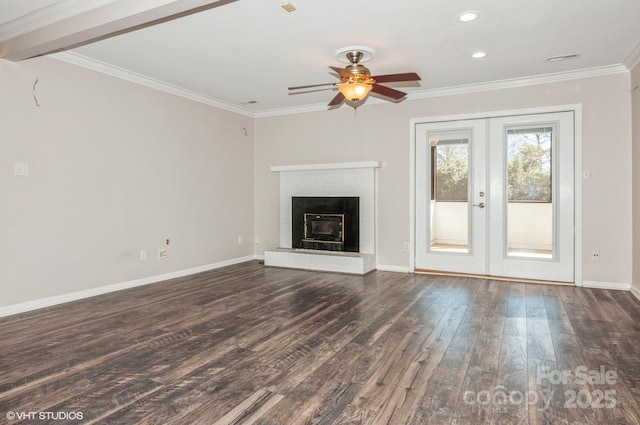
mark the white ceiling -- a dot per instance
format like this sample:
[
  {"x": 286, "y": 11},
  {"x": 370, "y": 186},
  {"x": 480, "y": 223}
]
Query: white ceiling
[{"x": 252, "y": 50}]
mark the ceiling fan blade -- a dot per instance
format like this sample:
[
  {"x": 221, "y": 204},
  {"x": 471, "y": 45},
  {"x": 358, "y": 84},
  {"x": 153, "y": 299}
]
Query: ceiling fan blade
[
  {"x": 298, "y": 92},
  {"x": 392, "y": 78},
  {"x": 388, "y": 92},
  {"x": 344, "y": 74},
  {"x": 311, "y": 85},
  {"x": 336, "y": 100}
]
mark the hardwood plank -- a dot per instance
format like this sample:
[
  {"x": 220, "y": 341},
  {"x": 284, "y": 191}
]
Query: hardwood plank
[
  {"x": 474, "y": 404},
  {"x": 416, "y": 381},
  {"x": 252, "y": 344},
  {"x": 438, "y": 404},
  {"x": 249, "y": 410},
  {"x": 605, "y": 393},
  {"x": 539, "y": 343},
  {"x": 545, "y": 398},
  {"x": 512, "y": 375}
]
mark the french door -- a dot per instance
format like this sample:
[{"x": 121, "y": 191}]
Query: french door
[{"x": 495, "y": 196}]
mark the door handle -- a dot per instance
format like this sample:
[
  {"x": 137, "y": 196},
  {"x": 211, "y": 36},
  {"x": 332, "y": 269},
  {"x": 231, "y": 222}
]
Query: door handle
[{"x": 480, "y": 205}]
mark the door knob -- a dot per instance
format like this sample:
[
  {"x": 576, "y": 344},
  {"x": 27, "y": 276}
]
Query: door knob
[{"x": 480, "y": 205}]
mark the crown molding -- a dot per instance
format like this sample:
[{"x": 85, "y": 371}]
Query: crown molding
[
  {"x": 633, "y": 60},
  {"x": 48, "y": 15},
  {"x": 520, "y": 82},
  {"x": 114, "y": 71}
]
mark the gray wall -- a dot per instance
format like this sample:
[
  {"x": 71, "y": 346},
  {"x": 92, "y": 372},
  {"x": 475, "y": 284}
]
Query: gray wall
[
  {"x": 114, "y": 168},
  {"x": 381, "y": 132}
]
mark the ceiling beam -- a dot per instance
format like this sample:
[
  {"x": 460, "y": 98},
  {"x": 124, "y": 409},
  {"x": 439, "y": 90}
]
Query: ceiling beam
[{"x": 99, "y": 23}]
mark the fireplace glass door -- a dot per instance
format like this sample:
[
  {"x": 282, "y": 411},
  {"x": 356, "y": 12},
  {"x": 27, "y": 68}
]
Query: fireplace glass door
[
  {"x": 325, "y": 223},
  {"x": 325, "y": 228}
]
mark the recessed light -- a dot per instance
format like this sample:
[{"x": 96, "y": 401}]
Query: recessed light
[
  {"x": 468, "y": 16},
  {"x": 478, "y": 55}
]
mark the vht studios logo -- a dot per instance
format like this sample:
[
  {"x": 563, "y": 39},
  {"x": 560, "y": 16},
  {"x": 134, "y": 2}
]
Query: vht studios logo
[{"x": 582, "y": 376}]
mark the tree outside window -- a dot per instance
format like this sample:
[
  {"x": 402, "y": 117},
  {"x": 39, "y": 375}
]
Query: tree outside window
[
  {"x": 529, "y": 165},
  {"x": 450, "y": 171}
]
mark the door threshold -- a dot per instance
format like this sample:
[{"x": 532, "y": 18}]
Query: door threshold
[{"x": 488, "y": 277}]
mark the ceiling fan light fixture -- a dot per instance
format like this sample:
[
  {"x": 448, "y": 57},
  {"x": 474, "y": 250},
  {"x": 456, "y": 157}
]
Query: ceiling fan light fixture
[
  {"x": 356, "y": 81},
  {"x": 354, "y": 92}
]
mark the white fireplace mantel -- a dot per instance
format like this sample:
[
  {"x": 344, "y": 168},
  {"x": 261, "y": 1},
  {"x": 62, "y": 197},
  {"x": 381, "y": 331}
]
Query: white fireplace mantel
[{"x": 335, "y": 179}]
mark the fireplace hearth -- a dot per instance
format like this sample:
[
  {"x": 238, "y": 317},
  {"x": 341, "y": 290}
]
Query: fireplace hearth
[{"x": 325, "y": 223}]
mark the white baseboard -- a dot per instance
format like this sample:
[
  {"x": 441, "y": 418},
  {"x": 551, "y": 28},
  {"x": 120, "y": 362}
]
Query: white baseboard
[
  {"x": 606, "y": 285},
  {"x": 635, "y": 291},
  {"x": 73, "y": 296},
  {"x": 398, "y": 269}
]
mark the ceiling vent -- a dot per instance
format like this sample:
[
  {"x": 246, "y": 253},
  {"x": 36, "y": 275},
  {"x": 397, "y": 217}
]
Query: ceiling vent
[
  {"x": 563, "y": 57},
  {"x": 288, "y": 6}
]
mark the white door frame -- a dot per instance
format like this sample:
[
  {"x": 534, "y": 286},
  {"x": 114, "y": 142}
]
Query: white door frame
[
  {"x": 575, "y": 108},
  {"x": 474, "y": 260}
]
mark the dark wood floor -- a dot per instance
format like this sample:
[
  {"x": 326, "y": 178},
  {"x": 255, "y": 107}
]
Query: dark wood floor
[{"x": 249, "y": 344}]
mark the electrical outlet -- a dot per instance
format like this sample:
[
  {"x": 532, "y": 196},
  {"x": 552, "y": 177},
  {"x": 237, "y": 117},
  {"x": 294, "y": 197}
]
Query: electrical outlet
[
  {"x": 162, "y": 253},
  {"x": 21, "y": 169},
  {"x": 595, "y": 255},
  {"x": 240, "y": 240},
  {"x": 406, "y": 246},
  {"x": 256, "y": 240},
  {"x": 143, "y": 254}
]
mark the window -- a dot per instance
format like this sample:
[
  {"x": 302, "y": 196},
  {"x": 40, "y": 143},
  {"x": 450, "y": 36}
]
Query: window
[
  {"x": 450, "y": 170},
  {"x": 529, "y": 164}
]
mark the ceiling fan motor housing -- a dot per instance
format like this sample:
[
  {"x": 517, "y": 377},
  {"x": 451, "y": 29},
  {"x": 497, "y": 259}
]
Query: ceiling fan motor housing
[
  {"x": 358, "y": 69},
  {"x": 359, "y": 73}
]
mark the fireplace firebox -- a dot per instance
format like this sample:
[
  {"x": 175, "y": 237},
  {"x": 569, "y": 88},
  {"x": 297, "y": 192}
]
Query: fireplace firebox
[{"x": 325, "y": 223}]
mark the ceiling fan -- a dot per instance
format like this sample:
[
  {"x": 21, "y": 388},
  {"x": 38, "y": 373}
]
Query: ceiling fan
[{"x": 356, "y": 81}]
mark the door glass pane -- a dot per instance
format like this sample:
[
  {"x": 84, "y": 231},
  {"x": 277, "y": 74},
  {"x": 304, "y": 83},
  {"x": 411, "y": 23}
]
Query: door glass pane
[
  {"x": 449, "y": 226},
  {"x": 529, "y": 184}
]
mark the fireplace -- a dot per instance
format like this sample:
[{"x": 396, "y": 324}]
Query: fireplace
[
  {"x": 330, "y": 194},
  {"x": 325, "y": 223}
]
